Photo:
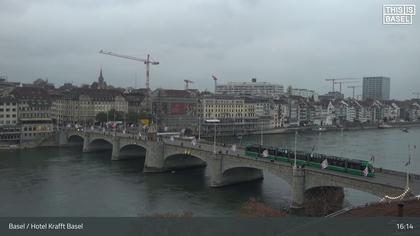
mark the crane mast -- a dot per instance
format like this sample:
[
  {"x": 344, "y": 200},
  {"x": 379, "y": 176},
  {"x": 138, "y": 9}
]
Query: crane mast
[
  {"x": 146, "y": 61},
  {"x": 215, "y": 82},
  {"x": 334, "y": 82},
  {"x": 187, "y": 82},
  {"x": 354, "y": 87}
]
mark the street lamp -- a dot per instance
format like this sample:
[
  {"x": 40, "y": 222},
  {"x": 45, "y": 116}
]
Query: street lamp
[
  {"x": 261, "y": 133},
  {"x": 214, "y": 121},
  {"x": 199, "y": 128},
  {"x": 295, "y": 148}
]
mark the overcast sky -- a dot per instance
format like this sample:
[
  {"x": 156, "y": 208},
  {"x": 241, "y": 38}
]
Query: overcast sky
[{"x": 297, "y": 43}]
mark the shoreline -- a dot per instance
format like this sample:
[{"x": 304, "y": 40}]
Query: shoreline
[
  {"x": 312, "y": 129},
  {"x": 51, "y": 141}
]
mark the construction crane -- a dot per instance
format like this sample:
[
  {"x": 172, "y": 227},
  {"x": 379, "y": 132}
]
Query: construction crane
[
  {"x": 215, "y": 82},
  {"x": 417, "y": 94},
  {"x": 353, "y": 87},
  {"x": 187, "y": 82},
  {"x": 146, "y": 61},
  {"x": 345, "y": 82},
  {"x": 334, "y": 82}
]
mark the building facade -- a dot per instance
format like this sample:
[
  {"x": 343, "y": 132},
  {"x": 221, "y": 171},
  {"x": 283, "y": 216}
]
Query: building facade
[
  {"x": 81, "y": 105},
  {"x": 252, "y": 88},
  {"x": 376, "y": 88},
  {"x": 9, "y": 129},
  {"x": 175, "y": 110},
  {"x": 306, "y": 93},
  {"x": 34, "y": 113}
]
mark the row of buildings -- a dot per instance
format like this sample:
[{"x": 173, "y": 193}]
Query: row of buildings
[
  {"x": 31, "y": 111},
  {"x": 374, "y": 88}
]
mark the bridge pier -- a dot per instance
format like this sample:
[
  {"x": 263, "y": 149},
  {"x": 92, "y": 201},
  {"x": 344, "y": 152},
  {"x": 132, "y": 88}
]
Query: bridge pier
[
  {"x": 215, "y": 167},
  {"x": 62, "y": 139},
  {"x": 86, "y": 141},
  {"x": 115, "y": 149},
  {"x": 154, "y": 161},
  {"x": 298, "y": 191}
]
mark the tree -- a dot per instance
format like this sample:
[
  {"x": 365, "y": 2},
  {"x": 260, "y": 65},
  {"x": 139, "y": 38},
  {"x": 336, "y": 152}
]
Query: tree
[
  {"x": 94, "y": 85},
  {"x": 132, "y": 117},
  {"x": 111, "y": 116},
  {"x": 115, "y": 115},
  {"x": 101, "y": 117}
]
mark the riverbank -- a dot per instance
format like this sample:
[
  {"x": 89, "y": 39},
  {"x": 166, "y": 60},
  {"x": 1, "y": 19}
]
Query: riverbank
[
  {"x": 318, "y": 129},
  {"x": 321, "y": 129},
  {"x": 406, "y": 208},
  {"x": 49, "y": 141}
]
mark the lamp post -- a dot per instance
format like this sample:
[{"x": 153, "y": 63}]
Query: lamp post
[
  {"x": 294, "y": 166},
  {"x": 199, "y": 128},
  {"x": 408, "y": 166},
  {"x": 214, "y": 121},
  {"x": 261, "y": 133},
  {"x": 409, "y": 163}
]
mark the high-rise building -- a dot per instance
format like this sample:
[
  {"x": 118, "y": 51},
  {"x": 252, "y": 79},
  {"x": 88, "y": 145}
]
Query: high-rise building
[{"x": 377, "y": 87}]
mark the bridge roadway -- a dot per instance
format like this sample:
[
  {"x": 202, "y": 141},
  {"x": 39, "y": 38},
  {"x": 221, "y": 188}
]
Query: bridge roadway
[{"x": 229, "y": 167}]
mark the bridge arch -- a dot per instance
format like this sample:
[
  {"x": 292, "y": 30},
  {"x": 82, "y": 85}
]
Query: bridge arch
[
  {"x": 75, "y": 139},
  {"x": 98, "y": 144},
  {"x": 183, "y": 160},
  {"x": 241, "y": 174},
  {"x": 317, "y": 180},
  {"x": 130, "y": 151},
  {"x": 282, "y": 172}
]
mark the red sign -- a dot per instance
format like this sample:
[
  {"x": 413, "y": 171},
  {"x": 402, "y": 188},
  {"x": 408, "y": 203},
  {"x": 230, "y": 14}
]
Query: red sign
[{"x": 178, "y": 108}]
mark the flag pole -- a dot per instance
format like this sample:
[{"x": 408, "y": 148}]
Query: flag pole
[{"x": 407, "y": 165}]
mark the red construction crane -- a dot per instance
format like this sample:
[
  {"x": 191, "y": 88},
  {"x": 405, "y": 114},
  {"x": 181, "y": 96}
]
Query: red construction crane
[
  {"x": 333, "y": 82},
  {"x": 187, "y": 82},
  {"x": 146, "y": 61},
  {"x": 215, "y": 82}
]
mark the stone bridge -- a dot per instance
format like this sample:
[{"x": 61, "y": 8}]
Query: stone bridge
[{"x": 309, "y": 186}]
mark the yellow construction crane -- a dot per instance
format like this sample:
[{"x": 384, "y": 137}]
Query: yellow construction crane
[{"x": 339, "y": 79}]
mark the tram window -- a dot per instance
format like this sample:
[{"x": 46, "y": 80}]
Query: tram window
[{"x": 253, "y": 149}]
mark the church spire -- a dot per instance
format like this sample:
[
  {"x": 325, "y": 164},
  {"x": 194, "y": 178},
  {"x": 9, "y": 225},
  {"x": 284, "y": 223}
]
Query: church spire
[
  {"x": 101, "y": 81},
  {"x": 101, "y": 78}
]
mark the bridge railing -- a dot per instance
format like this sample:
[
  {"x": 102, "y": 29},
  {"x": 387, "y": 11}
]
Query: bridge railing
[{"x": 396, "y": 173}]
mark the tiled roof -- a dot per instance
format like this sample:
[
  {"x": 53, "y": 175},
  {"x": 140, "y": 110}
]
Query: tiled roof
[
  {"x": 173, "y": 93},
  {"x": 30, "y": 93},
  {"x": 94, "y": 94}
]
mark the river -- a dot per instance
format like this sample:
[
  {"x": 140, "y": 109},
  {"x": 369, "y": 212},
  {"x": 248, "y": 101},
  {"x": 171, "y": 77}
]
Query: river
[{"x": 67, "y": 182}]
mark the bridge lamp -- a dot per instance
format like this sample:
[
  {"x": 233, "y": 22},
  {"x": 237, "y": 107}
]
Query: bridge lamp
[
  {"x": 296, "y": 133},
  {"x": 214, "y": 121}
]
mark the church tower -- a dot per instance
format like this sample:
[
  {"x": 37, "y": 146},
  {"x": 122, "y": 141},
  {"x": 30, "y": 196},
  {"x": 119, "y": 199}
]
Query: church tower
[{"x": 101, "y": 81}]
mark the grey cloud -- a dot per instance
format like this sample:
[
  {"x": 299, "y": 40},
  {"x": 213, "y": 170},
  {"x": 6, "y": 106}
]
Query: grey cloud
[{"x": 290, "y": 42}]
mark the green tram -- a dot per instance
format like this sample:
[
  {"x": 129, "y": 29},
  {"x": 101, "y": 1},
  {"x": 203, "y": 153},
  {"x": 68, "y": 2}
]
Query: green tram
[{"x": 339, "y": 164}]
